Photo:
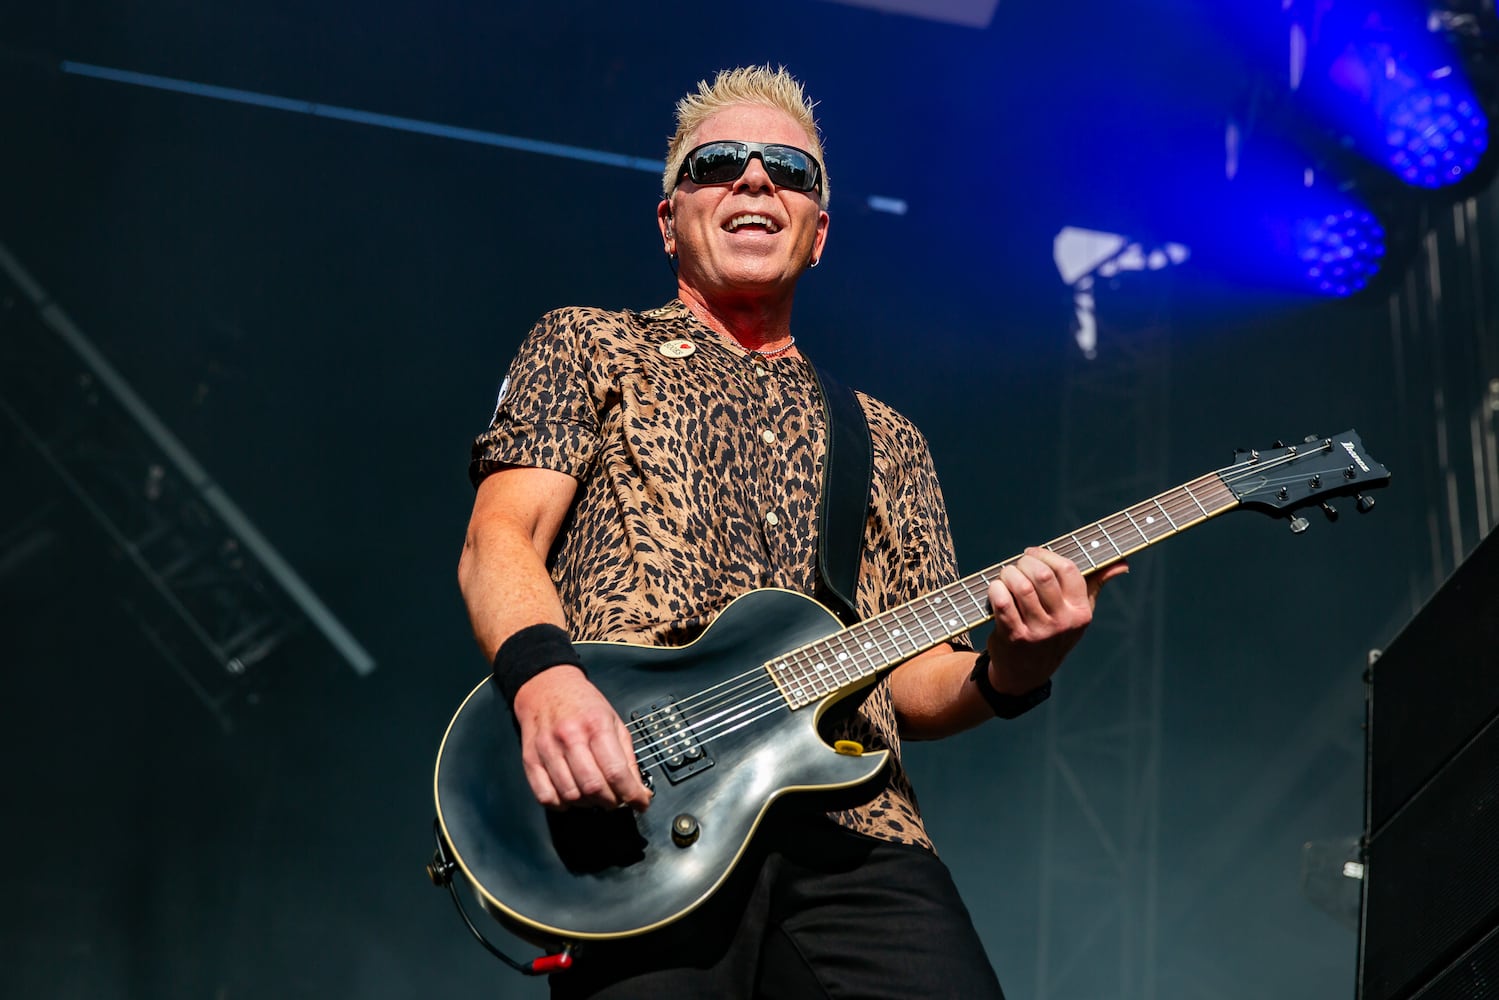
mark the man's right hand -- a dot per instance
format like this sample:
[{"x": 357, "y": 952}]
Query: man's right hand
[{"x": 576, "y": 750}]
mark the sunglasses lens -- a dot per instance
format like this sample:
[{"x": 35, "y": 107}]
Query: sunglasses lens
[
  {"x": 718, "y": 162},
  {"x": 789, "y": 167}
]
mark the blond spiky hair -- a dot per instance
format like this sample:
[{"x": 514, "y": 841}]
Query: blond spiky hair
[{"x": 771, "y": 88}]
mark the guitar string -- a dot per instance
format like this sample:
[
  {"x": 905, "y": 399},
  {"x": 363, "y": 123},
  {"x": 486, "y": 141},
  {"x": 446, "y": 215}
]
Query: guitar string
[
  {"x": 1183, "y": 500},
  {"x": 710, "y": 726},
  {"x": 731, "y": 718},
  {"x": 769, "y": 699},
  {"x": 706, "y": 700},
  {"x": 739, "y": 724},
  {"x": 703, "y": 726},
  {"x": 767, "y": 694}
]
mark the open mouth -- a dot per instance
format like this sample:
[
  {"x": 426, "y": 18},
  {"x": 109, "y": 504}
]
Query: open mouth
[{"x": 751, "y": 222}]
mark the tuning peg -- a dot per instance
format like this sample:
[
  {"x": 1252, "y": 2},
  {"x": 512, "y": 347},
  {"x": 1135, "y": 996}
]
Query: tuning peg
[
  {"x": 1365, "y": 503},
  {"x": 1277, "y": 443},
  {"x": 1311, "y": 439},
  {"x": 1330, "y": 511},
  {"x": 1299, "y": 524}
]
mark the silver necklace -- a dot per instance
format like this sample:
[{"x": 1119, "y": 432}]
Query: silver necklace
[{"x": 779, "y": 350}]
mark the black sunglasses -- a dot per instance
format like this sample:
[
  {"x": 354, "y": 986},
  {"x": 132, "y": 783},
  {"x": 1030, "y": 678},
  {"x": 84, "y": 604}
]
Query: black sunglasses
[{"x": 725, "y": 160}]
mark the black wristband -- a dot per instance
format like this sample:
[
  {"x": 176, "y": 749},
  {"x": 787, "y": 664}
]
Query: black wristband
[
  {"x": 527, "y": 653},
  {"x": 1006, "y": 706}
]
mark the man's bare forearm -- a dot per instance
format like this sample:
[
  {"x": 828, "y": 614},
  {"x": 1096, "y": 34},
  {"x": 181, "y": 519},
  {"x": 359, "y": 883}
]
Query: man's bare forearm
[
  {"x": 502, "y": 572},
  {"x": 933, "y": 696}
]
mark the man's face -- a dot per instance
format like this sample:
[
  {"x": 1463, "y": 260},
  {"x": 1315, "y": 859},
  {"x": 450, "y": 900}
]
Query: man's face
[{"x": 747, "y": 237}]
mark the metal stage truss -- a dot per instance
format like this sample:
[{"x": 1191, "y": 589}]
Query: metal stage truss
[
  {"x": 210, "y": 595},
  {"x": 1100, "y": 815}
]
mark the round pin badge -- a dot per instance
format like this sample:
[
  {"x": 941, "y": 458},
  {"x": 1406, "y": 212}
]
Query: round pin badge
[{"x": 677, "y": 348}]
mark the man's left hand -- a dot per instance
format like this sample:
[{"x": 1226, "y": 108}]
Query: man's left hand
[{"x": 1042, "y": 603}]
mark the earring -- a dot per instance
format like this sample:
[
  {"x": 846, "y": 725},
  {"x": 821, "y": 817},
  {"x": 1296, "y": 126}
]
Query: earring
[{"x": 815, "y": 262}]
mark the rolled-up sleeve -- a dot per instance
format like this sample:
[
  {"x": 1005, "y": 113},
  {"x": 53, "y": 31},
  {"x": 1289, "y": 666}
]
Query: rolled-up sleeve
[{"x": 547, "y": 415}]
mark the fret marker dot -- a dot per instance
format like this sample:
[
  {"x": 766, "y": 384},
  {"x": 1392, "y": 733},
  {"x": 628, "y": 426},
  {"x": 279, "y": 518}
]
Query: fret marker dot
[
  {"x": 842, "y": 656},
  {"x": 1150, "y": 519},
  {"x": 1094, "y": 543},
  {"x": 952, "y": 621},
  {"x": 895, "y": 631},
  {"x": 869, "y": 645}
]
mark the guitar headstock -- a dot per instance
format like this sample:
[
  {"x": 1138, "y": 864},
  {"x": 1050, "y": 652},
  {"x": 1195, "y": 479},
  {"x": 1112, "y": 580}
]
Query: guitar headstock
[{"x": 1285, "y": 478}]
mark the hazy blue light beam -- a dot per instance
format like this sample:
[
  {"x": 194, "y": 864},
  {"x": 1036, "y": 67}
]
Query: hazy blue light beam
[{"x": 334, "y": 111}]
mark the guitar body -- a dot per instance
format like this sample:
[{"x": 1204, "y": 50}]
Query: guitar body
[{"x": 589, "y": 874}]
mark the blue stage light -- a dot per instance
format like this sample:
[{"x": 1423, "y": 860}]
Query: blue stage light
[
  {"x": 1340, "y": 251},
  {"x": 1435, "y": 137},
  {"x": 1393, "y": 84}
]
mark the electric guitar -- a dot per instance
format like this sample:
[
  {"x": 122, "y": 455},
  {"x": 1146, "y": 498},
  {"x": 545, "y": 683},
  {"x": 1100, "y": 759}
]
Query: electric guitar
[{"x": 727, "y": 724}]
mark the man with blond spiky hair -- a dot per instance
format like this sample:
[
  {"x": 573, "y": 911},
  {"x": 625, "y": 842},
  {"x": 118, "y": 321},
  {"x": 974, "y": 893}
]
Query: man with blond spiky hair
[{"x": 645, "y": 469}]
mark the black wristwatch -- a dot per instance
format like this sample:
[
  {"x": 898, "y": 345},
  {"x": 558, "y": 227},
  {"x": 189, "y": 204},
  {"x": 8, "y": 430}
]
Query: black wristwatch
[{"x": 1006, "y": 706}]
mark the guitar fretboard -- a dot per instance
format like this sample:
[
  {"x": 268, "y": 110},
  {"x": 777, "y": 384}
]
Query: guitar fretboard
[{"x": 876, "y": 644}]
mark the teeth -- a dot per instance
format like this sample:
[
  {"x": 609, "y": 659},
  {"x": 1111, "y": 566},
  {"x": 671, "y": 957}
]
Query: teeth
[{"x": 752, "y": 220}]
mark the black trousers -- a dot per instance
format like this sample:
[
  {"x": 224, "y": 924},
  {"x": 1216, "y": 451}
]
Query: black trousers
[{"x": 811, "y": 911}]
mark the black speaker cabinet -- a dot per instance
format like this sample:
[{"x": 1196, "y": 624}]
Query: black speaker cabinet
[{"x": 1429, "y": 920}]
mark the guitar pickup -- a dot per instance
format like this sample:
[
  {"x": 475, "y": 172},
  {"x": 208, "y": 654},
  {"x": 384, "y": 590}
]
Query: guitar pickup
[{"x": 664, "y": 737}]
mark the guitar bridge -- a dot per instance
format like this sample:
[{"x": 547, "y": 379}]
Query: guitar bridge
[{"x": 665, "y": 738}]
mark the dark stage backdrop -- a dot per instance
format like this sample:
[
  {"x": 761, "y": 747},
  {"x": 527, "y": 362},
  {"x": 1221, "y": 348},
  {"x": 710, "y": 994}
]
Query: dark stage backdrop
[{"x": 322, "y": 312}]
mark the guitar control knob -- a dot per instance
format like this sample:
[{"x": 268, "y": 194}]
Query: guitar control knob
[
  {"x": 1365, "y": 503},
  {"x": 685, "y": 829},
  {"x": 1299, "y": 524}
]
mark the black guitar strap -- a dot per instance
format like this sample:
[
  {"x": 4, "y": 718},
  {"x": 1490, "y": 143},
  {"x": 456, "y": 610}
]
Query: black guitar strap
[{"x": 846, "y": 472}]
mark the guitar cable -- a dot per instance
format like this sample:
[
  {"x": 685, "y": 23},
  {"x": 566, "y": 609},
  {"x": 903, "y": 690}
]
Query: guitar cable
[{"x": 440, "y": 870}]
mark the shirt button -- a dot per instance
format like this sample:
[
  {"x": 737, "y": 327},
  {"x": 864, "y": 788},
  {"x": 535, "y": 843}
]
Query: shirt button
[
  {"x": 772, "y": 518},
  {"x": 769, "y": 437}
]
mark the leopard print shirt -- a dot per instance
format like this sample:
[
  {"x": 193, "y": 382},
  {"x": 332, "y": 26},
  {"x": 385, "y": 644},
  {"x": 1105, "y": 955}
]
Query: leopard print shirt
[{"x": 699, "y": 470}]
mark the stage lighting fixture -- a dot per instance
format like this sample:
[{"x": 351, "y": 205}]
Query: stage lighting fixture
[
  {"x": 1435, "y": 137},
  {"x": 1340, "y": 252},
  {"x": 1395, "y": 83}
]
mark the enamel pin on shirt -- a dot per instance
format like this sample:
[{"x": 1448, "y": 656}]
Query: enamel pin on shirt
[{"x": 677, "y": 348}]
